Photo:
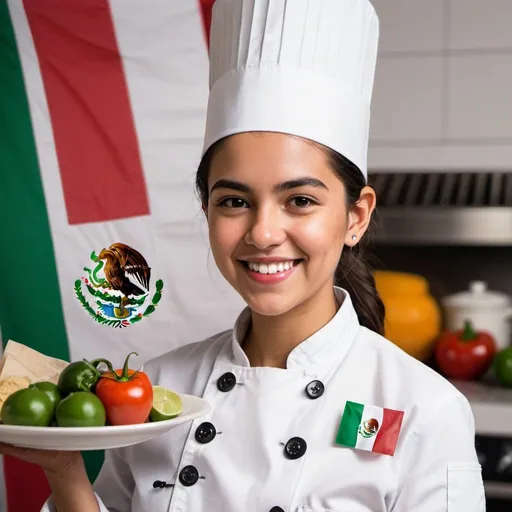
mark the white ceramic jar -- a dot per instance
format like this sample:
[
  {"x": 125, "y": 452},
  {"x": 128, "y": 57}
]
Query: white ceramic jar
[{"x": 487, "y": 310}]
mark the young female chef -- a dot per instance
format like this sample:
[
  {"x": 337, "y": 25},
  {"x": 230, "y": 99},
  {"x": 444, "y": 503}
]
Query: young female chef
[{"x": 312, "y": 410}]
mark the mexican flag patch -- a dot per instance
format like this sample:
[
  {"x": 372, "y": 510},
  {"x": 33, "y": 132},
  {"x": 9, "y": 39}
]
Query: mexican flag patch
[{"x": 370, "y": 428}]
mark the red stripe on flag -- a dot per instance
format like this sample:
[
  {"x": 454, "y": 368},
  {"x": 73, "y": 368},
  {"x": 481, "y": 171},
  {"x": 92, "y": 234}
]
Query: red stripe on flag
[
  {"x": 87, "y": 94},
  {"x": 387, "y": 437},
  {"x": 26, "y": 484},
  {"x": 206, "y": 12}
]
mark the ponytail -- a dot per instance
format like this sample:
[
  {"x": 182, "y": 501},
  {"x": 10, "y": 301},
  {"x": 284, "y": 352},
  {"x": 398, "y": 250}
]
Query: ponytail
[
  {"x": 354, "y": 275},
  {"x": 353, "y": 272}
]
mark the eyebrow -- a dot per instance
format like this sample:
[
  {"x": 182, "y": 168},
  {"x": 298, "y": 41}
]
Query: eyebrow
[{"x": 280, "y": 187}]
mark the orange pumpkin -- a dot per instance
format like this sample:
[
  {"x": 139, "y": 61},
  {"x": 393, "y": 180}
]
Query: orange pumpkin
[{"x": 413, "y": 317}]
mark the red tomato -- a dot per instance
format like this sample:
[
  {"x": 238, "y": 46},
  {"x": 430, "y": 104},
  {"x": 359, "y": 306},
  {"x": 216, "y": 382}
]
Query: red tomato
[
  {"x": 126, "y": 394},
  {"x": 465, "y": 354}
]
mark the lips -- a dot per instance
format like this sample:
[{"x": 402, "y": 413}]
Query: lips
[
  {"x": 268, "y": 271},
  {"x": 271, "y": 267}
]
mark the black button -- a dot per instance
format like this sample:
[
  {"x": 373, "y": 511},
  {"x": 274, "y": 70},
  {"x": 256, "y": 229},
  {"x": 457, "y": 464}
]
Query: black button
[
  {"x": 158, "y": 484},
  {"x": 227, "y": 382},
  {"x": 205, "y": 433},
  {"x": 189, "y": 476},
  {"x": 315, "y": 389},
  {"x": 276, "y": 509},
  {"x": 295, "y": 448}
]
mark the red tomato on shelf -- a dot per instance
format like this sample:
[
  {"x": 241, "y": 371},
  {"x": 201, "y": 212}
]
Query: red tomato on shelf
[{"x": 466, "y": 354}]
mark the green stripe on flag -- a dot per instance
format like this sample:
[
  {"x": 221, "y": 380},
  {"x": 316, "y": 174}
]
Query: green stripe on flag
[
  {"x": 350, "y": 421},
  {"x": 30, "y": 302}
]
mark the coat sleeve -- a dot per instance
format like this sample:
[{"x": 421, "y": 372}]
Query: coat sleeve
[
  {"x": 114, "y": 485},
  {"x": 440, "y": 469}
]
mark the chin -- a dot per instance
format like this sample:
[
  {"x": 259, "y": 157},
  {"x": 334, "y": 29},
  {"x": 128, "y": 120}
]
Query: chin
[{"x": 269, "y": 304}]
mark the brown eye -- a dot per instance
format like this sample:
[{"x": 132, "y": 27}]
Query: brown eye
[
  {"x": 233, "y": 202},
  {"x": 302, "y": 202}
]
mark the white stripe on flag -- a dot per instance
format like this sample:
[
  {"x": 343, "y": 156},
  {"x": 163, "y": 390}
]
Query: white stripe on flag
[
  {"x": 369, "y": 412},
  {"x": 166, "y": 65}
]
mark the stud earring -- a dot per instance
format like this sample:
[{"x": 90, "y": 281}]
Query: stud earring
[{"x": 354, "y": 237}]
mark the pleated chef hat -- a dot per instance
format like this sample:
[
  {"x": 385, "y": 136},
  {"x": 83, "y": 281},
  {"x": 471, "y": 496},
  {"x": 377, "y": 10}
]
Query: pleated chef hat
[{"x": 301, "y": 67}]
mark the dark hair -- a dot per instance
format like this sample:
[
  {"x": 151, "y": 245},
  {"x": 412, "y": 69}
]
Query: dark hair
[{"x": 353, "y": 273}]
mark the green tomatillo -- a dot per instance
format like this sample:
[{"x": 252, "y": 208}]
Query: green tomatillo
[{"x": 503, "y": 367}]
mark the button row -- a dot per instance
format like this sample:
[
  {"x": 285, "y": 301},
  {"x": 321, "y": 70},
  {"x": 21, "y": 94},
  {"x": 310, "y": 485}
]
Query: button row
[
  {"x": 315, "y": 389},
  {"x": 295, "y": 448},
  {"x": 205, "y": 433}
]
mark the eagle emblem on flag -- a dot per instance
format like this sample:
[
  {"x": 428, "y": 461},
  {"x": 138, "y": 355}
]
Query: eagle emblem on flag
[
  {"x": 369, "y": 428},
  {"x": 119, "y": 283}
]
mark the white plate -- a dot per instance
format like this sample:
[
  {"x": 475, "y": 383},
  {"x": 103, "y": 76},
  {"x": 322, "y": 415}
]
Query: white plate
[{"x": 99, "y": 438}]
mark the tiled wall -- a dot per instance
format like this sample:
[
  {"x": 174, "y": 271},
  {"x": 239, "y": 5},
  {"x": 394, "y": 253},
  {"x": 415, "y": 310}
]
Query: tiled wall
[{"x": 443, "y": 89}]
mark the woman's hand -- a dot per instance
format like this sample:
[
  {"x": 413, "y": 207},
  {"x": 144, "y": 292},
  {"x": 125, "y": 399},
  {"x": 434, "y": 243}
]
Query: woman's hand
[
  {"x": 51, "y": 461},
  {"x": 65, "y": 471}
]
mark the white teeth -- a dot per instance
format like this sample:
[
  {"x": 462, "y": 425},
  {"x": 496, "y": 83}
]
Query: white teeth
[{"x": 271, "y": 268}]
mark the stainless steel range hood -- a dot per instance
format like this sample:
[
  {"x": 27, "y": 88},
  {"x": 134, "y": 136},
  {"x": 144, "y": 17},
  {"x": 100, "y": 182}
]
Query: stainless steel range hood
[{"x": 419, "y": 208}]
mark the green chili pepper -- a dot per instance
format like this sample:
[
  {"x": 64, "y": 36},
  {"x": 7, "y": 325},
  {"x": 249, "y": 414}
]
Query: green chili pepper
[{"x": 80, "y": 376}]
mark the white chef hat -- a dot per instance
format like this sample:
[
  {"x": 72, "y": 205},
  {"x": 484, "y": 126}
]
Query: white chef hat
[{"x": 302, "y": 67}]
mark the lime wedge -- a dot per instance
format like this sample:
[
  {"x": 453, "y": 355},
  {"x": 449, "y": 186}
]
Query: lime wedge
[{"x": 166, "y": 404}]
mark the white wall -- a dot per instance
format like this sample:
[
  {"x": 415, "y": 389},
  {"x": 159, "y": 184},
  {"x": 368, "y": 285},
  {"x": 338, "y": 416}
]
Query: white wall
[{"x": 443, "y": 88}]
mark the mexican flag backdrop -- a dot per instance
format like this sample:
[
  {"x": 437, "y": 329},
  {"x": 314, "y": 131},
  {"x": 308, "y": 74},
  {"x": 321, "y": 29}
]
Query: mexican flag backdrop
[{"x": 102, "y": 109}]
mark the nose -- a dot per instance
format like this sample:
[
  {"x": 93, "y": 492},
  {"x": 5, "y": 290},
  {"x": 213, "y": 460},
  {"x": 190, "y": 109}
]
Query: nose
[{"x": 266, "y": 229}]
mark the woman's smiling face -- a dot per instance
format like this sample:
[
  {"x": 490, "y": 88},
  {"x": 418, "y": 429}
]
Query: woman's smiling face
[{"x": 277, "y": 219}]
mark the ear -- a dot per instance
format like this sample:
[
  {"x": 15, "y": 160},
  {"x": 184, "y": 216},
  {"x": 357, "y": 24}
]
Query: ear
[{"x": 360, "y": 215}]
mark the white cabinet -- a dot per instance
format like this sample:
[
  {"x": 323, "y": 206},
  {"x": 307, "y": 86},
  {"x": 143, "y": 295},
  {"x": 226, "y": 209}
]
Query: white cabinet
[{"x": 443, "y": 86}]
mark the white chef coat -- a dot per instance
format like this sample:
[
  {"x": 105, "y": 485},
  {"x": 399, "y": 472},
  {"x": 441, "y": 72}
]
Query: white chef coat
[{"x": 244, "y": 467}]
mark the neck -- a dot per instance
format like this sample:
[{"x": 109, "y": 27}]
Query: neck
[{"x": 271, "y": 339}]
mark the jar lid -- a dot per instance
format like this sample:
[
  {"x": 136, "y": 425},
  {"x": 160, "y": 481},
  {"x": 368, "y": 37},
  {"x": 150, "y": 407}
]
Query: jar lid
[{"x": 478, "y": 296}]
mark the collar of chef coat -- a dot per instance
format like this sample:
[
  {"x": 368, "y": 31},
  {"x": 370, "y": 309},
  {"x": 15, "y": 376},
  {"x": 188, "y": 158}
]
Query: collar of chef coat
[{"x": 328, "y": 345}]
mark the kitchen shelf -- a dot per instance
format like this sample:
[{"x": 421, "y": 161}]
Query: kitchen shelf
[
  {"x": 477, "y": 226},
  {"x": 500, "y": 490},
  {"x": 462, "y": 208},
  {"x": 491, "y": 406}
]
